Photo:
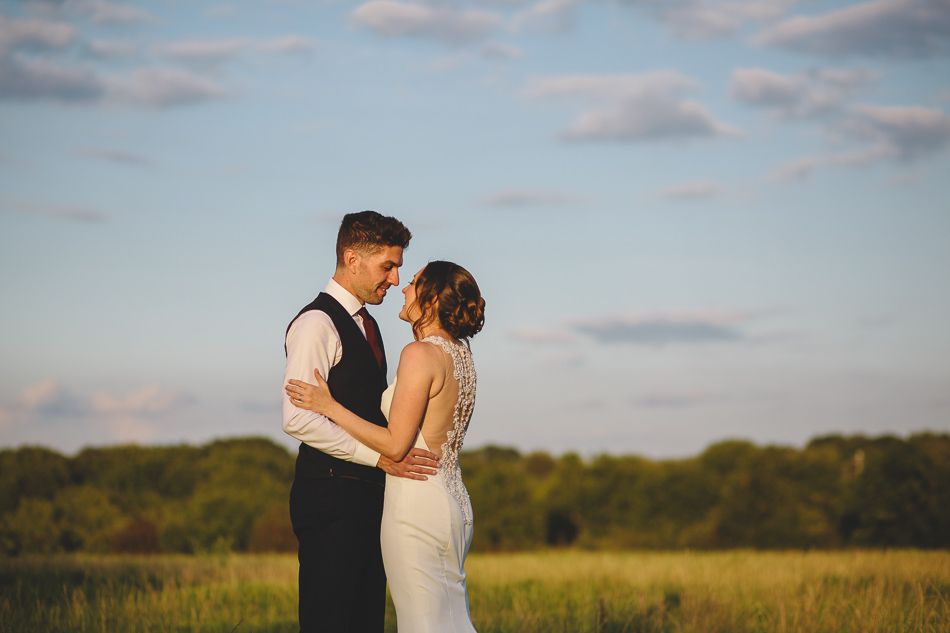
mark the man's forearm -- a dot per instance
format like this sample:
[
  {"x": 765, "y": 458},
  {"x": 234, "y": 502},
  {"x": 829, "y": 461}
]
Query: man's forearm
[{"x": 322, "y": 434}]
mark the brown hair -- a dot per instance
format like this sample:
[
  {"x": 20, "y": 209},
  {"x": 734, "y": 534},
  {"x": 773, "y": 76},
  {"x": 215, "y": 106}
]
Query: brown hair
[
  {"x": 367, "y": 232},
  {"x": 461, "y": 309}
]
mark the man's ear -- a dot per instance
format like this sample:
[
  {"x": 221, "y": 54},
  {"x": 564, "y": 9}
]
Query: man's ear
[{"x": 351, "y": 260}]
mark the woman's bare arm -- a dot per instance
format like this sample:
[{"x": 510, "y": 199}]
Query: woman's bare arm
[{"x": 420, "y": 367}]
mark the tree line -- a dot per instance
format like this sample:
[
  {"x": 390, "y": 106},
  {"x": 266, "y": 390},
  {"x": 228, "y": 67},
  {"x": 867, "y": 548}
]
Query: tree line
[{"x": 231, "y": 495}]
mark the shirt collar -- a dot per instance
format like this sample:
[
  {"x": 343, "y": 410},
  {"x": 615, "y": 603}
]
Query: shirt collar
[{"x": 349, "y": 302}]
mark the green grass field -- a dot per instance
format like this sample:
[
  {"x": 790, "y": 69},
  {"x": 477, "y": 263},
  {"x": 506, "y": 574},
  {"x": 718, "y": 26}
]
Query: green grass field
[{"x": 562, "y": 591}]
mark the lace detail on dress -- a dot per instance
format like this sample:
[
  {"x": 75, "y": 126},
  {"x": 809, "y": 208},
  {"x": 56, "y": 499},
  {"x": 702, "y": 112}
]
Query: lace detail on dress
[{"x": 449, "y": 463}]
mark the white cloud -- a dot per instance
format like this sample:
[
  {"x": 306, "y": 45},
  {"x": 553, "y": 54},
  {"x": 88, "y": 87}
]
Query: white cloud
[
  {"x": 214, "y": 52},
  {"x": 890, "y": 28},
  {"x": 103, "y": 417},
  {"x": 498, "y": 50},
  {"x": 703, "y": 20},
  {"x": 609, "y": 86},
  {"x": 100, "y": 12},
  {"x": 128, "y": 429},
  {"x": 394, "y": 19},
  {"x": 907, "y": 132},
  {"x": 661, "y": 329},
  {"x": 203, "y": 51},
  {"x": 111, "y": 49},
  {"x": 112, "y": 13},
  {"x": 48, "y": 397},
  {"x": 524, "y": 197},
  {"x": 286, "y": 44},
  {"x": 163, "y": 88},
  {"x": 648, "y": 106},
  {"x": 801, "y": 168},
  {"x": 54, "y": 211},
  {"x": 697, "y": 20},
  {"x": 655, "y": 328},
  {"x": 24, "y": 80},
  {"x": 149, "y": 399},
  {"x": 685, "y": 19},
  {"x": 546, "y": 15},
  {"x": 860, "y": 134},
  {"x": 797, "y": 169},
  {"x": 691, "y": 191},
  {"x": 51, "y": 399},
  {"x": 901, "y": 133},
  {"x": 149, "y": 87},
  {"x": 56, "y": 76},
  {"x": 801, "y": 94},
  {"x": 34, "y": 34}
]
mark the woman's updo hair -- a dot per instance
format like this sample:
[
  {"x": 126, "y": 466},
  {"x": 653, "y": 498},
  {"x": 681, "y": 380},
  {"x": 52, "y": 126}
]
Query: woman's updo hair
[{"x": 461, "y": 309}]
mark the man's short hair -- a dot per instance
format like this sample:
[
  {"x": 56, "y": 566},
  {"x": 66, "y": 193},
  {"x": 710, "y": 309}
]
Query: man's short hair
[{"x": 368, "y": 232}]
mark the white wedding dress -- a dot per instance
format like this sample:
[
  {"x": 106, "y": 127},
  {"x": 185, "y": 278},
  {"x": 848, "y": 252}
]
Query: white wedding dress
[{"x": 427, "y": 525}]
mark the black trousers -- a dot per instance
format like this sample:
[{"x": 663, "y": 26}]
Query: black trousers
[{"x": 342, "y": 583}]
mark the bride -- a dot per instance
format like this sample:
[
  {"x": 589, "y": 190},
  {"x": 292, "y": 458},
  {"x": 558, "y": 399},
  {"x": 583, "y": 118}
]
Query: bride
[{"x": 427, "y": 525}]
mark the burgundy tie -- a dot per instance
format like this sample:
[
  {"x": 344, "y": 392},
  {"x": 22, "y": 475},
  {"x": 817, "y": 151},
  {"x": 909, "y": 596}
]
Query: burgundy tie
[{"x": 371, "y": 335}]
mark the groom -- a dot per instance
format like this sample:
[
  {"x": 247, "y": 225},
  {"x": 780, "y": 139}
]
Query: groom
[{"x": 336, "y": 500}]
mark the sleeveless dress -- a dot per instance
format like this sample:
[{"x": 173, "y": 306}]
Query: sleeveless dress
[{"x": 427, "y": 525}]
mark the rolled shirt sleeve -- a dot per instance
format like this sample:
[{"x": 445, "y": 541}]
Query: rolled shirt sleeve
[{"x": 313, "y": 343}]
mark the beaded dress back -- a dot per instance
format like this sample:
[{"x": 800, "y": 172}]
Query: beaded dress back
[{"x": 449, "y": 462}]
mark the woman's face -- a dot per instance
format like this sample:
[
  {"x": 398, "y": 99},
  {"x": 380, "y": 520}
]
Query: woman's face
[{"x": 410, "y": 310}]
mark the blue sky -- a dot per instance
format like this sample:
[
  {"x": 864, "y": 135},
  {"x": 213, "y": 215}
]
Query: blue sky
[{"x": 692, "y": 220}]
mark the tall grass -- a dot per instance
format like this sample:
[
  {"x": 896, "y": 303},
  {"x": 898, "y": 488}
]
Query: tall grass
[
  {"x": 727, "y": 592},
  {"x": 564, "y": 591},
  {"x": 149, "y": 594}
]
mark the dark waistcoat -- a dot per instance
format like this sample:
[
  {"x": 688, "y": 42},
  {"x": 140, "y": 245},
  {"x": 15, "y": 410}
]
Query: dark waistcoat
[{"x": 357, "y": 382}]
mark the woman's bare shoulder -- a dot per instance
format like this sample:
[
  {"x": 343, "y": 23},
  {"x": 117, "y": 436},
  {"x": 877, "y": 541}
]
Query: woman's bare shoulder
[
  {"x": 419, "y": 352},
  {"x": 420, "y": 363}
]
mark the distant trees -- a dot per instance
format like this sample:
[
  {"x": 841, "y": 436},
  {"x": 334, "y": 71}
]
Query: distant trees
[
  {"x": 900, "y": 497},
  {"x": 147, "y": 499},
  {"x": 836, "y": 492},
  {"x": 139, "y": 536},
  {"x": 232, "y": 495}
]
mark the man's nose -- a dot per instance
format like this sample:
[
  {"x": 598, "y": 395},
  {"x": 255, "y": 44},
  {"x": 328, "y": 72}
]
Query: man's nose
[{"x": 394, "y": 277}]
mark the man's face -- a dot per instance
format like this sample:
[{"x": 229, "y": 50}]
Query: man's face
[{"x": 376, "y": 273}]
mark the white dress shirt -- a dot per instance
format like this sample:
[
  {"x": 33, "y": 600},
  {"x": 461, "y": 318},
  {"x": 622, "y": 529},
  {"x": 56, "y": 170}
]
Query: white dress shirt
[{"x": 314, "y": 343}]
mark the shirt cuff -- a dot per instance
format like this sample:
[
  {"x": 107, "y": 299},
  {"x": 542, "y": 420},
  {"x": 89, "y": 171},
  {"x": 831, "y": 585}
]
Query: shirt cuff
[{"x": 366, "y": 456}]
